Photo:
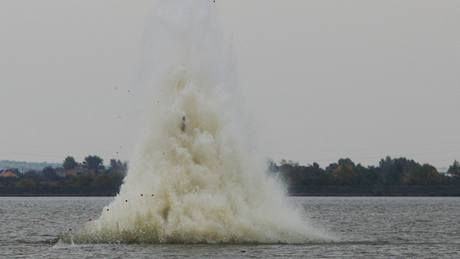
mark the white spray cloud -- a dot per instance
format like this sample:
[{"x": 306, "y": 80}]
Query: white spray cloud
[{"x": 195, "y": 178}]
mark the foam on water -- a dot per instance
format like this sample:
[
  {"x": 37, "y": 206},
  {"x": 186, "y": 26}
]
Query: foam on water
[{"x": 195, "y": 179}]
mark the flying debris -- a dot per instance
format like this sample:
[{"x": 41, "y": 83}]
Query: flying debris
[{"x": 183, "y": 124}]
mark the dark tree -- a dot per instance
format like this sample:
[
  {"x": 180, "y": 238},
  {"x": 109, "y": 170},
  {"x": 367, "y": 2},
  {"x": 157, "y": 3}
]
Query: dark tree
[
  {"x": 118, "y": 167},
  {"x": 346, "y": 162},
  {"x": 393, "y": 170},
  {"x": 32, "y": 174},
  {"x": 344, "y": 173},
  {"x": 69, "y": 163},
  {"x": 454, "y": 169},
  {"x": 424, "y": 175},
  {"x": 93, "y": 163},
  {"x": 49, "y": 173}
]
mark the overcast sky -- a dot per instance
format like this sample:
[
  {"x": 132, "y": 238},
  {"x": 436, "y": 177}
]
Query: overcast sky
[{"x": 323, "y": 79}]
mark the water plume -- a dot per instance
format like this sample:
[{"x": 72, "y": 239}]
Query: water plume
[{"x": 195, "y": 178}]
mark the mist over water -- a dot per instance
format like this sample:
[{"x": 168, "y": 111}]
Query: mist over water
[{"x": 196, "y": 177}]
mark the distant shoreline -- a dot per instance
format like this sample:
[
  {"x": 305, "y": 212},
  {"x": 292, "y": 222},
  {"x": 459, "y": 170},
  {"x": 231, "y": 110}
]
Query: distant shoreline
[{"x": 400, "y": 177}]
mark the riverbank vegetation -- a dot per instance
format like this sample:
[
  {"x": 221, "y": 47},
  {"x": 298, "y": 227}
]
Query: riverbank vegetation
[
  {"x": 391, "y": 177},
  {"x": 88, "y": 178}
]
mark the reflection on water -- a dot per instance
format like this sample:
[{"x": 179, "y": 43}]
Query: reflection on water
[{"x": 369, "y": 227}]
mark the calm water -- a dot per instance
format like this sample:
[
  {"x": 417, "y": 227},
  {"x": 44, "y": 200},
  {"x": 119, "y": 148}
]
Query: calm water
[{"x": 369, "y": 227}]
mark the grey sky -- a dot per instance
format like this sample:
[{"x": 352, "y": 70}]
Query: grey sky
[{"x": 323, "y": 79}]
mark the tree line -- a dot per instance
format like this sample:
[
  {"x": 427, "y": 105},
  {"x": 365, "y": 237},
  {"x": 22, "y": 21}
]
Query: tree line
[
  {"x": 392, "y": 176},
  {"x": 89, "y": 177}
]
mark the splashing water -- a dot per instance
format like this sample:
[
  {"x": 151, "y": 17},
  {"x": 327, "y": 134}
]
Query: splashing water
[{"x": 195, "y": 180}]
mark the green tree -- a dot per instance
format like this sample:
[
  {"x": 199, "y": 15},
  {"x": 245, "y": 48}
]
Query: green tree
[
  {"x": 346, "y": 162},
  {"x": 69, "y": 163},
  {"x": 93, "y": 163},
  {"x": 393, "y": 170},
  {"x": 424, "y": 175},
  {"x": 117, "y": 166},
  {"x": 344, "y": 173}
]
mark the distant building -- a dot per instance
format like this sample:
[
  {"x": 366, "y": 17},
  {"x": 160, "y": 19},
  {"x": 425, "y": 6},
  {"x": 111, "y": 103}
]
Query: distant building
[{"x": 8, "y": 174}]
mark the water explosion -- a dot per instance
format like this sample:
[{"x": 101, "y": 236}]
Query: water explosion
[{"x": 195, "y": 180}]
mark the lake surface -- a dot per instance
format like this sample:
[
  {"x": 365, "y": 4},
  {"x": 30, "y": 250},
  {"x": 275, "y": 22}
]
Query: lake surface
[{"x": 368, "y": 227}]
